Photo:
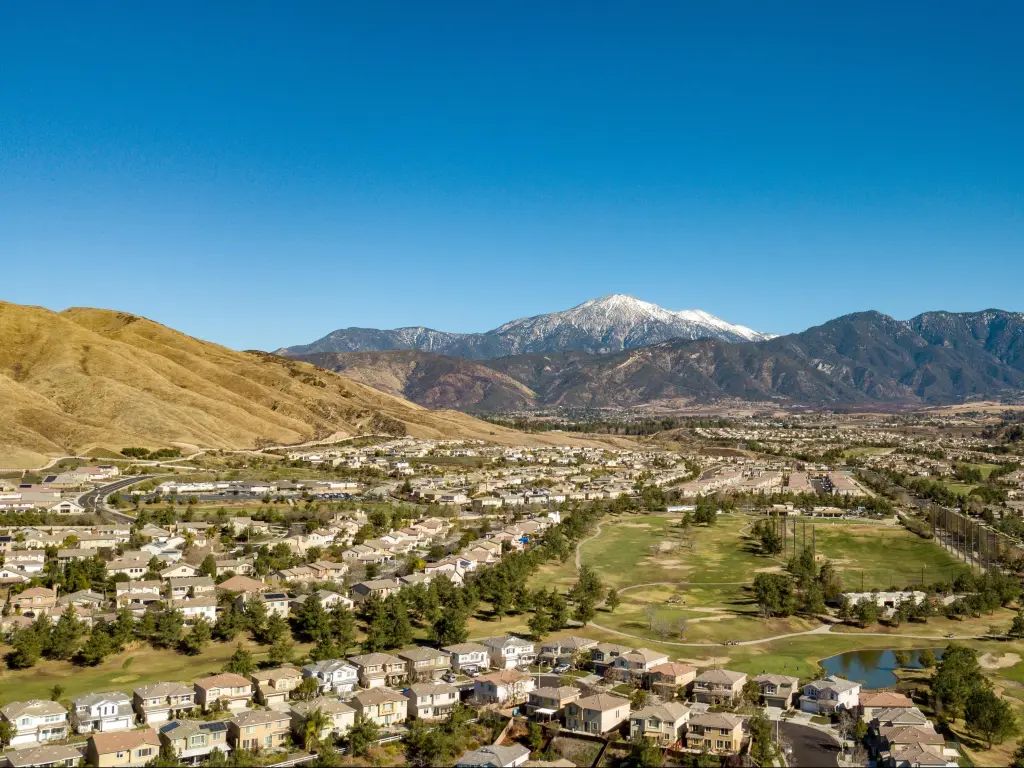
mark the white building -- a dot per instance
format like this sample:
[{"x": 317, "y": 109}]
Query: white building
[
  {"x": 103, "y": 712},
  {"x": 830, "y": 695}
]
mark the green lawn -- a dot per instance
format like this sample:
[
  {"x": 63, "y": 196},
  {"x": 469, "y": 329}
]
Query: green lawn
[
  {"x": 882, "y": 556},
  {"x": 961, "y": 489},
  {"x": 141, "y": 665}
]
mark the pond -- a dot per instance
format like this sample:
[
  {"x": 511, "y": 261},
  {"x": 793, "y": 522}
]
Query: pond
[{"x": 873, "y": 669}]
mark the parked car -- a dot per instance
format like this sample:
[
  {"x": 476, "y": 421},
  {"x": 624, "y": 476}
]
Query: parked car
[
  {"x": 561, "y": 669},
  {"x": 449, "y": 678}
]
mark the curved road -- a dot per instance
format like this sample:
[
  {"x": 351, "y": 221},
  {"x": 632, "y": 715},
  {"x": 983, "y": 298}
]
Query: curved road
[
  {"x": 94, "y": 500},
  {"x": 811, "y": 746}
]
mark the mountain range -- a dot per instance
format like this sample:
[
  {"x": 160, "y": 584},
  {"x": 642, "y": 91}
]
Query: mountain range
[
  {"x": 860, "y": 359},
  {"x": 97, "y": 381},
  {"x": 608, "y": 324}
]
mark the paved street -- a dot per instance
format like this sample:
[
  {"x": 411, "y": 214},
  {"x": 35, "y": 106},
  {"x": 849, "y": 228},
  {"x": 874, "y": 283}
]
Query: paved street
[{"x": 811, "y": 747}]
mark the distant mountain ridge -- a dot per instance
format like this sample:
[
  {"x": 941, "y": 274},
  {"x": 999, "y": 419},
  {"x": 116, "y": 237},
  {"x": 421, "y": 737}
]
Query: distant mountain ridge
[
  {"x": 859, "y": 359},
  {"x": 608, "y": 324}
]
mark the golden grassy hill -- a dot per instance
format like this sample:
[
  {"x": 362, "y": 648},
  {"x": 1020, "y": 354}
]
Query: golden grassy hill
[{"x": 87, "y": 378}]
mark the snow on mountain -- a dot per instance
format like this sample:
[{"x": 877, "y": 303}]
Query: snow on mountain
[{"x": 607, "y": 324}]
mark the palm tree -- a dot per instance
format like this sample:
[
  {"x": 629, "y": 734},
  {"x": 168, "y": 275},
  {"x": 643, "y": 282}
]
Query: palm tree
[{"x": 316, "y": 723}]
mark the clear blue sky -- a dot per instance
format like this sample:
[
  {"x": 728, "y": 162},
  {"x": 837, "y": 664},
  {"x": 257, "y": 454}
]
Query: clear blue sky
[{"x": 259, "y": 174}]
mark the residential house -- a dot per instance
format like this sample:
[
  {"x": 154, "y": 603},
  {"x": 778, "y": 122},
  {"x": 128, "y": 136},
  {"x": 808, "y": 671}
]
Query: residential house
[
  {"x": 124, "y": 748},
  {"x": 274, "y": 685},
  {"x": 468, "y": 657},
  {"x": 194, "y": 740},
  {"x": 503, "y": 686},
  {"x": 35, "y": 721},
  {"x": 102, "y": 712},
  {"x": 190, "y": 586},
  {"x": 377, "y": 669},
  {"x": 666, "y": 679},
  {"x": 636, "y": 663},
  {"x": 509, "y": 652},
  {"x": 48, "y": 756},
  {"x": 333, "y": 675},
  {"x": 243, "y": 585},
  {"x": 195, "y": 609},
  {"x": 715, "y": 732},
  {"x": 11, "y": 575},
  {"x": 276, "y": 603},
  {"x": 179, "y": 571},
  {"x": 661, "y": 723},
  {"x": 495, "y": 756},
  {"x": 431, "y": 701},
  {"x": 262, "y": 730},
  {"x": 564, "y": 650},
  {"x": 233, "y": 689},
  {"x": 425, "y": 663},
  {"x": 550, "y": 702},
  {"x": 778, "y": 690},
  {"x": 382, "y": 705},
  {"x": 329, "y": 571},
  {"x": 597, "y": 714},
  {"x": 873, "y": 702},
  {"x": 137, "y": 593},
  {"x": 161, "y": 702},
  {"x": 603, "y": 655},
  {"x": 717, "y": 686},
  {"x": 35, "y": 601},
  {"x": 340, "y": 715},
  {"x": 381, "y": 588},
  {"x": 831, "y": 694}
]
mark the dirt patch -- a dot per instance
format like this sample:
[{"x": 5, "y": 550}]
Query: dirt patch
[
  {"x": 998, "y": 660},
  {"x": 769, "y": 569}
]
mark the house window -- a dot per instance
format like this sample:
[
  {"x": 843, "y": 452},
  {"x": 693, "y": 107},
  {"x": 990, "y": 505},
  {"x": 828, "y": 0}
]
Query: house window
[{"x": 144, "y": 752}]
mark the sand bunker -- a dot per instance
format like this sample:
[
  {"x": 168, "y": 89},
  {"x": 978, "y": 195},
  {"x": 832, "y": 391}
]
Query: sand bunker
[{"x": 998, "y": 661}]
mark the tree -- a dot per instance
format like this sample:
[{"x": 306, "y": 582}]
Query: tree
[
  {"x": 194, "y": 642},
  {"x": 57, "y": 692},
  {"x": 361, "y": 736},
  {"x": 450, "y": 628},
  {"x": 96, "y": 649},
  {"x": 6, "y": 732},
  {"x": 427, "y": 746},
  {"x": 308, "y": 689},
  {"x": 768, "y": 535},
  {"x": 208, "y": 567},
  {"x": 866, "y": 611},
  {"x": 1016, "y": 762},
  {"x": 1017, "y": 628},
  {"x": 540, "y": 623},
  {"x": 645, "y": 753},
  {"x": 168, "y": 629},
  {"x": 639, "y": 698},
  {"x": 751, "y": 692},
  {"x": 343, "y": 627},
  {"x": 585, "y": 611},
  {"x": 315, "y": 723},
  {"x": 926, "y": 658},
  {"x": 774, "y": 594},
  {"x": 989, "y": 716},
  {"x": 957, "y": 678},
  {"x": 311, "y": 620},
  {"x": 902, "y": 658},
  {"x": 762, "y": 749},
  {"x": 274, "y": 630},
  {"x": 534, "y": 736},
  {"x": 64, "y": 637},
  {"x": 241, "y": 662},
  {"x": 281, "y": 651},
  {"x": 27, "y": 648},
  {"x": 612, "y": 601}
]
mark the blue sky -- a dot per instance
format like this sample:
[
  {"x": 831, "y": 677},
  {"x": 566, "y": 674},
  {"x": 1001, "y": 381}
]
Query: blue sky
[{"x": 259, "y": 174}]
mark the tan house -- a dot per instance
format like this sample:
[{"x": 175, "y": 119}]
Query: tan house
[
  {"x": 636, "y": 663},
  {"x": 233, "y": 689},
  {"x": 258, "y": 729},
  {"x": 124, "y": 748},
  {"x": 159, "y": 702},
  {"x": 35, "y": 600},
  {"x": 274, "y": 685},
  {"x": 431, "y": 701},
  {"x": 873, "y": 702},
  {"x": 597, "y": 714},
  {"x": 423, "y": 664},
  {"x": 715, "y": 732},
  {"x": 662, "y": 723},
  {"x": 378, "y": 669},
  {"x": 382, "y": 705},
  {"x": 666, "y": 679},
  {"x": 341, "y": 716},
  {"x": 716, "y": 686},
  {"x": 550, "y": 702},
  {"x": 195, "y": 740}
]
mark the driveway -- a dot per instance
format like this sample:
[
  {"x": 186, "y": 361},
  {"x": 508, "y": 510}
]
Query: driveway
[{"x": 811, "y": 747}]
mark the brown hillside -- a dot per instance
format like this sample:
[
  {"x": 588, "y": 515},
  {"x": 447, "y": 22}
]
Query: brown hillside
[{"x": 89, "y": 378}]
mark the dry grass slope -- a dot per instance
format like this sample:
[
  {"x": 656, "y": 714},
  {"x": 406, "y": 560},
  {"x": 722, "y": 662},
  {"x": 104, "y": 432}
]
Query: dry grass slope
[{"x": 88, "y": 378}]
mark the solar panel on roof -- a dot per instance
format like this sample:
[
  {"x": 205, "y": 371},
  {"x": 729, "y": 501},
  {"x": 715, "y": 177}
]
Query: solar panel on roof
[
  {"x": 169, "y": 727},
  {"x": 216, "y": 726}
]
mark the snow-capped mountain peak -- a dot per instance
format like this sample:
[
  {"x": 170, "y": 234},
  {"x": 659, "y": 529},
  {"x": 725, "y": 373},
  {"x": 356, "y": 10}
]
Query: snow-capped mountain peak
[{"x": 606, "y": 324}]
